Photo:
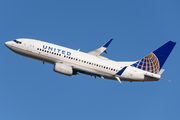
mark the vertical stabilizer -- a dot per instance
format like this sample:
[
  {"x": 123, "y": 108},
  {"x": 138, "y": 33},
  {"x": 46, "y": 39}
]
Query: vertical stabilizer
[{"x": 154, "y": 61}]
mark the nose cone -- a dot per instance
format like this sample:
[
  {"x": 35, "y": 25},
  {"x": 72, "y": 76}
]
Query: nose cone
[{"x": 8, "y": 44}]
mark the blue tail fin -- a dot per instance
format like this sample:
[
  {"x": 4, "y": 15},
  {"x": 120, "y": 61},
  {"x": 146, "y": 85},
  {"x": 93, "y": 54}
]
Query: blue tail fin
[{"x": 155, "y": 60}]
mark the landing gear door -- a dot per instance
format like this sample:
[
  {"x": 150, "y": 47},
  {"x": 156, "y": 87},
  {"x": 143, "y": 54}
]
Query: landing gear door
[{"x": 30, "y": 46}]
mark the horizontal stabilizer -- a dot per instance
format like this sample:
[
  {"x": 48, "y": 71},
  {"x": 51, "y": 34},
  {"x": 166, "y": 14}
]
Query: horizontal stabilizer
[
  {"x": 156, "y": 76},
  {"x": 151, "y": 75},
  {"x": 161, "y": 71},
  {"x": 165, "y": 80}
]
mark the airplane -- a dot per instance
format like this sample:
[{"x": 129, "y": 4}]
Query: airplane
[{"x": 71, "y": 62}]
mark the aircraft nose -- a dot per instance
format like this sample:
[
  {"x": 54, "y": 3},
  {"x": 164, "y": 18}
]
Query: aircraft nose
[{"x": 8, "y": 44}]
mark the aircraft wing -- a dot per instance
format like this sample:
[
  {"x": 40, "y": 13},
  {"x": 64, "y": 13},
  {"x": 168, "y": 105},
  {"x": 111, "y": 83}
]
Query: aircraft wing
[{"x": 103, "y": 48}]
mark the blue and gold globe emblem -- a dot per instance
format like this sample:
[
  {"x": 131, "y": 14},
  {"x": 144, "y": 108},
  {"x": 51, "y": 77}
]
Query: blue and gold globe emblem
[{"x": 149, "y": 63}]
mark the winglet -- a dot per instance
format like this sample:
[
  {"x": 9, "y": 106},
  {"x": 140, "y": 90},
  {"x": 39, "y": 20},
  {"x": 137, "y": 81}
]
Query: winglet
[
  {"x": 103, "y": 48},
  {"x": 107, "y": 44},
  {"x": 161, "y": 71}
]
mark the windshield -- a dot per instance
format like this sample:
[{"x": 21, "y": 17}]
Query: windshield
[{"x": 18, "y": 42}]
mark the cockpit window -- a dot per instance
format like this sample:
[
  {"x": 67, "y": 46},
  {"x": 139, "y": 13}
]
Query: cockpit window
[{"x": 18, "y": 42}]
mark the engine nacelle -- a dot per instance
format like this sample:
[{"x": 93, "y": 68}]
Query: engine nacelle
[{"x": 63, "y": 69}]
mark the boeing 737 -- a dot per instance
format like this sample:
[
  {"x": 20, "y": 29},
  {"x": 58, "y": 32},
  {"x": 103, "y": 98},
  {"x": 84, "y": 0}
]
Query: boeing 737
[{"x": 71, "y": 62}]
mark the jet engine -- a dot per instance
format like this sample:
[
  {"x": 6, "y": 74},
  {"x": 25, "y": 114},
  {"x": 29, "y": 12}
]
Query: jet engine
[{"x": 64, "y": 69}]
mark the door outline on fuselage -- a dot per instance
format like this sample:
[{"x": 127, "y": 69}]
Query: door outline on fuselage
[{"x": 30, "y": 46}]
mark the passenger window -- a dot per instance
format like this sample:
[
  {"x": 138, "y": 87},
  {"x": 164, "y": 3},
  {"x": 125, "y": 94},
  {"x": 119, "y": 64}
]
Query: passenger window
[
  {"x": 47, "y": 51},
  {"x": 59, "y": 54},
  {"x": 37, "y": 48},
  {"x": 44, "y": 50},
  {"x": 52, "y": 52}
]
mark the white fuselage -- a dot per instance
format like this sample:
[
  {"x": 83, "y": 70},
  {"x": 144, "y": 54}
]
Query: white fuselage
[{"x": 97, "y": 66}]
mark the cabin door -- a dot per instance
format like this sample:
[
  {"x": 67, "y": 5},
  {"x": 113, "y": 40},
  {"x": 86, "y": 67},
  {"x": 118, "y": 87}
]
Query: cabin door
[{"x": 30, "y": 46}]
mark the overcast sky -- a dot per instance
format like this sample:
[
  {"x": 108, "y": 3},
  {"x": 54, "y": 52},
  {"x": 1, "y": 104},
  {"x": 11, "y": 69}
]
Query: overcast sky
[{"x": 30, "y": 90}]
